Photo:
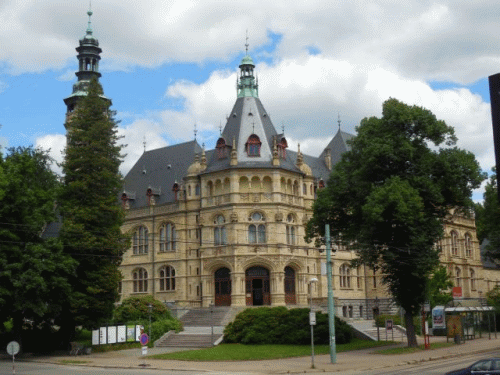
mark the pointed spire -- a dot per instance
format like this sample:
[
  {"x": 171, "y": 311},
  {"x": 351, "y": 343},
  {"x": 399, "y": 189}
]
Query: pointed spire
[
  {"x": 339, "y": 120},
  {"x": 300, "y": 157},
  {"x": 89, "y": 12},
  {"x": 246, "y": 44},
  {"x": 203, "y": 158}
]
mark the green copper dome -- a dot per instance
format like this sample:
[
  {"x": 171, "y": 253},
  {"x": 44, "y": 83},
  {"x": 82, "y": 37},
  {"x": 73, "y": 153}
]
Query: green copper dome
[{"x": 247, "y": 60}]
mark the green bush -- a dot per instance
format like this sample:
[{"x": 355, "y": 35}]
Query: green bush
[
  {"x": 278, "y": 325},
  {"x": 137, "y": 308}
]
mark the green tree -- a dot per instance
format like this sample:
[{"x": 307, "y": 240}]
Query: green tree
[
  {"x": 91, "y": 214},
  {"x": 390, "y": 193},
  {"x": 439, "y": 287},
  {"x": 488, "y": 219},
  {"x": 34, "y": 270}
]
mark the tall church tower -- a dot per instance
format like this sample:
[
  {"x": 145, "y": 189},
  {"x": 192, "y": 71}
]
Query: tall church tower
[{"x": 88, "y": 67}]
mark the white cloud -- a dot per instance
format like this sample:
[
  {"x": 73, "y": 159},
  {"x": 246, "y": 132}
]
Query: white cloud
[
  {"x": 54, "y": 144},
  {"x": 449, "y": 40}
]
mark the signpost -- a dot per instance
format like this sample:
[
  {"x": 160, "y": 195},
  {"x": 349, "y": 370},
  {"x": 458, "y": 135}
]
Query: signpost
[
  {"x": 144, "y": 340},
  {"x": 13, "y": 348}
]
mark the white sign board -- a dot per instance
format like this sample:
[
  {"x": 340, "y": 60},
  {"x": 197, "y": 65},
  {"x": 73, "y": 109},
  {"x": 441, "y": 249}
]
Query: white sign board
[
  {"x": 312, "y": 318},
  {"x": 112, "y": 335},
  {"x": 102, "y": 336},
  {"x": 95, "y": 337},
  {"x": 121, "y": 334},
  {"x": 138, "y": 329},
  {"x": 13, "y": 348}
]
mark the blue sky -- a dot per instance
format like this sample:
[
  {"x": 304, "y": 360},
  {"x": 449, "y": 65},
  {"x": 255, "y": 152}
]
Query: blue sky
[{"x": 170, "y": 65}]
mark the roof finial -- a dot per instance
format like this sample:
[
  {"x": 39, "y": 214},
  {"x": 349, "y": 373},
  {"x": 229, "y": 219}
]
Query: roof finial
[
  {"x": 220, "y": 127},
  {"x": 253, "y": 127},
  {"x": 195, "y": 131},
  {"x": 89, "y": 12},
  {"x": 144, "y": 143},
  {"x": 246, "y": 44},
  {"x": 283, "y": 127},
  {"x": 339, "y": 119}
]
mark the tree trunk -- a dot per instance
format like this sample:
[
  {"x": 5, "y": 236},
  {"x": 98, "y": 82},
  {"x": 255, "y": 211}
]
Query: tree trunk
[{"x": 410, "y": 330}]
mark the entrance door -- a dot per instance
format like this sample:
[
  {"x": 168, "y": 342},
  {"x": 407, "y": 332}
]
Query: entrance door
[
  {"x": 257, "y": 287},
  {"x": 290, "y": 286},
  {"x": 222, "y": 287}
]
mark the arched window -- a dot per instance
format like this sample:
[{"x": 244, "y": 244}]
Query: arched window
[
  {"x": 468, "y": 245},
  {"x": 220, "y": 236},
  {"x": 168, "y": 237},
  {"x": 253, "y": 145},
  {"x": 472, "y": 280},
  {"x": 140, "y": 241},
  {"x": 458, "y": 277},
  {"x": 345, "y": 276},
  {"x": 290, "y": 230},
  {"x": 454, "y": 243},
  {"x": 344, "y": 311},
  {"x": 257, "y": 232},
  {"x": 140, "y": 277},
  {"x": 167, "y": 278}
]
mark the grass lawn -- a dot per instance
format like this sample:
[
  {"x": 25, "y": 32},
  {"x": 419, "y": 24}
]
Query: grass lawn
[
  {"x": 406, "y": 350},
  {"x": 240, "y": 352}
]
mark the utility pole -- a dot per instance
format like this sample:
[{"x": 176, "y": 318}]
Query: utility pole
[{"x": 331, "y": 306}]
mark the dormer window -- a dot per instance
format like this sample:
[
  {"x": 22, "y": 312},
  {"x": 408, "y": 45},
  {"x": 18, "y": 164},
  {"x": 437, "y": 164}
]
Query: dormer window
[
  {"x": 282, "y": 146},
  {"x": 176, "y": 189},
  {"x": 221, "y": 148},
  {"x": 253, "y": 145}
]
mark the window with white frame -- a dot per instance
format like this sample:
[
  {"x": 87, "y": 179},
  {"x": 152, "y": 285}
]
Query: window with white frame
[
  {"x": 140, "y": 240},
  {"x": 140, "y": 280},
  {"x": 290, "y": 230}
]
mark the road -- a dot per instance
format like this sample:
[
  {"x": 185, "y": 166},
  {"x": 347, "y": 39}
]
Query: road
[
  {"x": 435, "y": 367},
  {"x": 36, "y": 368}
]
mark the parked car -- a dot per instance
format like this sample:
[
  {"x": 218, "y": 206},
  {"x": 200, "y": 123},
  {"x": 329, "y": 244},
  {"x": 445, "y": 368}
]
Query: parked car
[{"x": 490, "y": 366}]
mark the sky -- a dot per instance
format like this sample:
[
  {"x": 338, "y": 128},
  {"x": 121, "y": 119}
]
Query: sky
[{"x": 168, "y": 65}]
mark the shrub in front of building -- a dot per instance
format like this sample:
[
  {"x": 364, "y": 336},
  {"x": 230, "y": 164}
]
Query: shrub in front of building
[{"x": 278, "y": 325}]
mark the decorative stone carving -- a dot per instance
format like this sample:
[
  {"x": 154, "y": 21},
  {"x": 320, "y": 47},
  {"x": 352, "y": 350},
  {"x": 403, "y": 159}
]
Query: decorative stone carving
[
  {"x": 278, "y": 216},
  {"x": 234, "y": 217}
]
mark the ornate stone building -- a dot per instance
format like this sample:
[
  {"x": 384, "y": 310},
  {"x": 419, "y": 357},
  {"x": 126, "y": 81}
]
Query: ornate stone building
[{"x": 225, "y": 226}]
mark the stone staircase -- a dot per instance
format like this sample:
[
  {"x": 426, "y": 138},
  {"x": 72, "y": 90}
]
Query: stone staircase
[
  {"x": 202, "y": 328},
  {"x": 368, "y": 329}
]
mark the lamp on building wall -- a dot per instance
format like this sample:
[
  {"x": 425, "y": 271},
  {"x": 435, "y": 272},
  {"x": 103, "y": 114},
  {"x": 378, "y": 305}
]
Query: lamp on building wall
[{"x": 312, "y": 318}]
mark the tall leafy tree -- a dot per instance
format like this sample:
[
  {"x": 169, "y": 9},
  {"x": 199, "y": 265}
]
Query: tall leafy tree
[
  {"x": 34, "y": 270},
  {"x": 91, "y": 214},
  {"x": 488, "y": 219},
  {"x": 439, "y": 287},
  {"x": 390, "y": 193}
]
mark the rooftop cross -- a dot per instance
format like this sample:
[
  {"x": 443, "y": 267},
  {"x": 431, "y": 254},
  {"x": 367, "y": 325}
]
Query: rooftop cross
[
  {"x": 144, "y": 143},
  {"x": 220, "y": 127},
  {"x": 339, "y": 120},
  {"x": 283, "y": 127},
  {"x": 195, "y": 131}
]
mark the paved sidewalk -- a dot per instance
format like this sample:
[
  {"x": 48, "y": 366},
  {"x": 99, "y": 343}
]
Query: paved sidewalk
[{"x": 347, "y": 361}]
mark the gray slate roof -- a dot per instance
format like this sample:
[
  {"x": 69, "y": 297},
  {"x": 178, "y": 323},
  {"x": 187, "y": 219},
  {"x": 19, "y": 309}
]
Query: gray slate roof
[{"x": 159, "y": 169}]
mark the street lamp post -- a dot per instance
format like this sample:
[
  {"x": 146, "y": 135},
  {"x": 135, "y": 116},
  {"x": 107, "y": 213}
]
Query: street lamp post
[
  {"x": 312, "y": 318},
  {"x": 376, "y": 316},
  {"x": 150, "y": 308}
]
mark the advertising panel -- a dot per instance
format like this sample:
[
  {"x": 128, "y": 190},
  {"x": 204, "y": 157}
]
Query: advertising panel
[
  {"x": 103, "y": 336},
  {"x": 95, "y": 337},
  {"x": 130, "y": 333},
  {"x": 438, "y": 317},
  {"x": 121, "y": 334},
  {"x": 112, "y": 335}
]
